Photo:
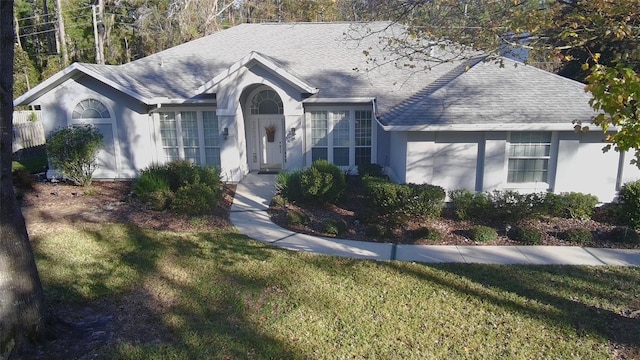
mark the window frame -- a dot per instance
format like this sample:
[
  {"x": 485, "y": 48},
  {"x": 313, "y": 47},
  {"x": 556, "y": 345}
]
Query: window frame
[
  {"x": 181, "y": 132},
  {"x": 549, "y": 157},
  {"x": 335, "y": 117}
]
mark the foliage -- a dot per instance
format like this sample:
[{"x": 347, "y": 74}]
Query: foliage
[
  {"x": 468, "y": 205},
  {"x": 578, "y": 235},
  {"x": 22, "y": 179},
  {"x": 288, "y": 184},
  {"x": 73, "y": 150},
  {"x": 322, "y": 183},
  {"x": 32, "y": 165},
  {"x": 571, "y": 205},
  {"x": 374, "y": 170},
  {"x": 526, "y": 234},
  {"x": 296, "y": 217},
  {"x": 377, "y": 231},
  {"x": 398, "y": 202},
  {"x": 482, "y": 233},
  {"x": 195, "y": 199},
  {"x": 624, "y": 234},
  {"x": 428, "y": 233},
  {"x": 336, "y": 227},
  {"x": 629, "y": 197},
  {"x": 170, "y": 186}
]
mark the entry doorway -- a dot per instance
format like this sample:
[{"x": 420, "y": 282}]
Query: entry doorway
[{"x": 268, "y": 141}]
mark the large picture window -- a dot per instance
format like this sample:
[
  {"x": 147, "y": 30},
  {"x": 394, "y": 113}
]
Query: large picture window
[
  {"x": 190, "y": 135},
  {"x": 529, "y": 157},
  {"x": 343, "y": 137}
]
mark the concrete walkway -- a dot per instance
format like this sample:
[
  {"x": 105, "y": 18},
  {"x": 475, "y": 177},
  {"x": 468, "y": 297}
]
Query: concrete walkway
[{"x": 255, "y": 191}]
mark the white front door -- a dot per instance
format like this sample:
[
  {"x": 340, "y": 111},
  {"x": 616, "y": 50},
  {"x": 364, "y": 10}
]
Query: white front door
[{"x": 269, "y": 140}]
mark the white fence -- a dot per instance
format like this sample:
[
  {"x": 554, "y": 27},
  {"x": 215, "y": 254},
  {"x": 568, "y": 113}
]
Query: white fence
[{"x": 28, "y": 131}]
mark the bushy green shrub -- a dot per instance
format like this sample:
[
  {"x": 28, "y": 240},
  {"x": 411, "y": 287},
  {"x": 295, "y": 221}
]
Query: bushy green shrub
[
  {"x": 526, "y": 235},
  {"x": 428, "y": 233},
  {"x": 472, "y": 206},
  {"x": 195, "y": 199},
  {"x": 571, "y": 205},
  {"x": 322, "y": 183},
  {"x": 158, "y": 199},
  {"x": 374, "y": 170},
  {"x": 578, "y": 235},
  {"x": 629, "y": 197},
  {"x": 401, "y": 201},
  {"x": 377, "y": 231},
  {"x": 170, "y": 184},
  {"x": 336, "y": 227},
  {"x": 510, "y": 206},
  {"x": 288, "y": 184},
  {"x": 482, "y": 233},
  {"x": 296, "y": 217},
  {"x": 624, "y": 234},
  {"x": 73, "y": 151}
]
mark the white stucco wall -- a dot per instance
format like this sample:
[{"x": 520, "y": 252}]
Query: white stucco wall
[{"x": 131, "y": 125}]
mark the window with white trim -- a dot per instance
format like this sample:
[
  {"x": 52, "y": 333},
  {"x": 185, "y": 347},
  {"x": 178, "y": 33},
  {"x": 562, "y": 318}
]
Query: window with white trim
[
  {"x": 319, "y": 131},
  {"x": 529, "y": 154},
  {"x": 190, "y": 135},
  {"x": 90, "y": 109},
  {"x": 343, "y": 137}
]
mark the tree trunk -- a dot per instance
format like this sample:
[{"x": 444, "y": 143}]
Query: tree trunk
[{"x": 21, "y": 298}]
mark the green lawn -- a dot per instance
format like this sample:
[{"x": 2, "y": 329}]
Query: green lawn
[{"x": 227, "y": 296}]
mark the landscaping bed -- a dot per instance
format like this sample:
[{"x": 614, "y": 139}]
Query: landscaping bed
[{"x": 448, "y": 229}]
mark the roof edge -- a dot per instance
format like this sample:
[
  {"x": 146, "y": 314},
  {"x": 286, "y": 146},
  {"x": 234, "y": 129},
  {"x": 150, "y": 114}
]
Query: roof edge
[
  {"x": 490, "y": 127},
  {"x": 264, "y": 61}
]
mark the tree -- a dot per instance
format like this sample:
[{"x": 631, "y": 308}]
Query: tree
[{"x": 22, "y": 309}]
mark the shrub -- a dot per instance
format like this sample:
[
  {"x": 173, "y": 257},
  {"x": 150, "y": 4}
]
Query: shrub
[
  {"x": 73, "y": 151},
  {"x": 374, "y": 170},
  {"x": 288, "y": 184},
  {"x": 471, "y": 206},
  {"x": 279, "y": 201},
  {"x": 630, "y": 204},
  {"x": 336, "y": 227},
  {"x": 322, "y": 183},
  {"x": 510, "y": 206},
  {"x": 526, "y": 235},
  {"x": 624, "y": 234},
  {"x": 570, "y": 205},
  {"x": 195, "y": 199},
  {"x": 296, "y": 217},
  {"x": 400, "y": 201},
  {"x": 149, "y": 182},
  {"x": 482, "y": 233},
  {"x": 429, "y": 234},
  {"x": 158, "y": 199},
  {"x": 578, "y": 235},
  {"x": 181, "y": 172},
  {"x": 376, "y": 231},
  {"x": 22, "y": 179}
]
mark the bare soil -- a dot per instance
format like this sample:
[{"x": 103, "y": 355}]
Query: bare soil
[{"x": 454, "y": 232}]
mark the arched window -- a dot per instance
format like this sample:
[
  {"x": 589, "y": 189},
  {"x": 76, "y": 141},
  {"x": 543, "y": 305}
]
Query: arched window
[
  {"x": 266, "y": 102},
  {"x": 90, "y": 109}
]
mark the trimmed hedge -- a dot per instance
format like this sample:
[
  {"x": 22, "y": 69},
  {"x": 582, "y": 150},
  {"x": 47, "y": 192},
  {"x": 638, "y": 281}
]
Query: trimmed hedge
[
  {"x": 630, "y": 204},
  {"x": 400, "y": 201},
  {"x": 571, "y": 205},
  {"x": 482, "y": 233},
  {"x": 322, "y": 183},
  {"x": 526, "y": 235},
  {"x": 578, "y": 235}
]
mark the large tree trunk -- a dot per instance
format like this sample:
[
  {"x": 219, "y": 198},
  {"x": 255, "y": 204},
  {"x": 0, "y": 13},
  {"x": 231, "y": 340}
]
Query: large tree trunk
[{"x": 21, "y": 299}]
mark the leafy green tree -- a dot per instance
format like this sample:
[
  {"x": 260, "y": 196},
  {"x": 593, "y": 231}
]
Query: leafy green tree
[{"x": 73, "y": 150}]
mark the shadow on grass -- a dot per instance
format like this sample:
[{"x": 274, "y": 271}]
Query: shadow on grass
[{"x": 563, "y": 289}]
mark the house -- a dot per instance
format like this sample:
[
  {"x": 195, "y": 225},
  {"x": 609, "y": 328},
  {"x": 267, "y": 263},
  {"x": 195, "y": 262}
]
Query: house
[{"x": 262, "y": 97}]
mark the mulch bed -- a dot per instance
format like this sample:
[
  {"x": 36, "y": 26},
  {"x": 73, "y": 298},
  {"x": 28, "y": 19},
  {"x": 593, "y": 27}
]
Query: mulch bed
[{"x": 454, "y": 232}]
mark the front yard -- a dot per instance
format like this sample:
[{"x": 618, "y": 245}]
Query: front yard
[{"x": 139, "y": 287}]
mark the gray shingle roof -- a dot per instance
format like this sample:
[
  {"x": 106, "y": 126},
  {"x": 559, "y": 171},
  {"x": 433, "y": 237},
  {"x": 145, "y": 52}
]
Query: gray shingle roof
[
  {"x": 490, "y": 94},
  {"x": 330, "y": 57}
]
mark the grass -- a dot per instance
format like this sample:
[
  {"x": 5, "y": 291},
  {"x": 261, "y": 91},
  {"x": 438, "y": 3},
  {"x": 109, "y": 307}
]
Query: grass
[
  {"x": 227, "y": 296},
  {"x": 33, "y": 165}
]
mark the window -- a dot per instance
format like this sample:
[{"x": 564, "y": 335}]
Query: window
[
  {"x": 343, "y": 137},
  {"x": 90, "y": 109},
  {"x": 190, "y": 135},
  {"x": 266, "y": 102},
  {"x": 319, "y": 141},
  {"x": 529, "y": 157},
  {"x": 363, "y": 126}
]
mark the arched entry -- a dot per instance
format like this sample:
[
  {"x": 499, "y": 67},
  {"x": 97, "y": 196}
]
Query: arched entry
[{"x": 265, "y": 135}]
